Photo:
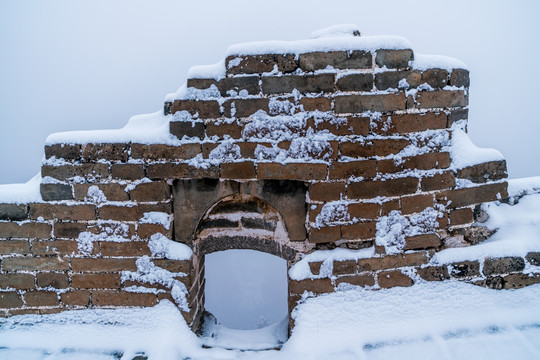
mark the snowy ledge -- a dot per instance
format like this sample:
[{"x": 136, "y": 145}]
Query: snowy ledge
[{"x": 21, "y": 193}]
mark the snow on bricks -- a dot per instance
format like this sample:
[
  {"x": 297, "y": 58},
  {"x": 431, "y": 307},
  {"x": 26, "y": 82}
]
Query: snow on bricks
[{"x": 346, "y": 156}]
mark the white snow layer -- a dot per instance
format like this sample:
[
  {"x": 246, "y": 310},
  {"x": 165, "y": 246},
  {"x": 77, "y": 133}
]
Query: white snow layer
[
  {"x": 434, "y": 320},
  {"x": 524, "y": 186},
  {"x": 21, "y": 193},
  {"x": 335, "y": 31},
  {"x": 464, "y": 153},
  {"x": 424, "y": 62},
  {"x": 160, "y": 245}
]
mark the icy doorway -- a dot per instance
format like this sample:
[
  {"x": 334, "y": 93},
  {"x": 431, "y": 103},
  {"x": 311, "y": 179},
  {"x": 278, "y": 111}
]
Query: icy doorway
[{"x": 247, "y": 293}]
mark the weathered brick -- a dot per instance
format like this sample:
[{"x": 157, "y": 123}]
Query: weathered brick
[
  {"x": 241, "y": 108},
  {"x": 316, "y": 286},
  {"x": 17, "y": 281},
  {"x": 374, "y": 147},
  {"x": 145, "y": 231},
  {"x": 55, "y": 247},
  {"x": 358, "y": 231},
  {"x": 121, "y": 213},
  {"x": 358, "y": 280},
  {"x": 95, "y": 281},
  {"x": 63, "y": 151},
  {"x": 465, "y": 269},
  {"x": 364, "y": 210},
  {"x": 54, "y": 192},
  {"x": 391, "y": 187},
  {"x": 433, "y": 273},
  {"x": 394, "y": 58},
  {"x": 76, "y": 298},
  {"x": 151, "y": 191},
  {"x": 393, "y": 261},
  {"x": 476, "y": 195},
  {"x": 302, "y": 83},
  {"x": 355, "y": 59},
  {"x": 325, "y": 234},
  {"x": 315, "y": 103},
  {"x": 391, "y": 79},
  {"x": 344, "y": 170},
  {"x": 324, "y": 191},
  {"x": 118, "y": 298},
  {"x": 503, "y": 265},
  {"x": 407, "y": 123},
  {"x": 424, "y": 241},
  {"x": 361, "y": 103},
  {"x": 127, "y": 171},
  {"x": 389, "y": 206},
  {"x": 459, "y": 77},
  {"x": 181, "y": 171},
  {"x": 291, "y": 171},
  {"x": 252, "y": 64},
  {"x": 461, "y": 216},
  {"x": 229, "y": 86},
  {"x": 484, "y": 172},
  {"x": 389, "y": 279},
  {"x": 206, "y": 109},
  {"x": 456, "y": 115},
  {"x": 86, "y": 170},
  {"x": 55, "y": 280},
  {"x": 25, "y": 230},
  {"x": 533, "y": 258},
  {"x": 416, "y": 203},
  {"x": 102, "y": 264},
  {"x": 441, "y": 99},
  {"x": 165, "y": 207},
  {"x": 109, "y": 151},
  {"x": 68, "y": 230},
  {"x": 516, "y": 281},
  {"x": 167, "y": 107},
  {"x": 175, "y": 266},
  {"x": 350, "y": 125},
  {"x": 344, "y": 267},
  {"x": 199, "y": 83},
  {"x": 41, "y": 298},
  {"x": 355, "y": 82},
  {"x": 14, "y": 246},
  {"x": 315, "y": 267},
  {"x": 13, "y": 212},
  {"x": 438, "y": 182},
  {"x": 35, "y": 264},
  {"x": 167, "y": 152},
  {"x": 222, "y": 130},
  {"x": 112, "y": 191},
  {"x": 10, "y": 299},
  {"x": 238, "y": 170},
  {"x": 438, "y": 160},
  {"x": 62, "y": 212},
  {"x": 131, "y": 248},
  {"x": 187, "y": 128},
  {"x": 436, "y": 78}
]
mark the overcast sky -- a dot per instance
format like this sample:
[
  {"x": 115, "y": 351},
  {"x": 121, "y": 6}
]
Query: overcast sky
[{"x": 74, "y": 65}]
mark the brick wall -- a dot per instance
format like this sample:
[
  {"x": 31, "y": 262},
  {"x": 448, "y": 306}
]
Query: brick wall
[{"x": 335, "y": 142}]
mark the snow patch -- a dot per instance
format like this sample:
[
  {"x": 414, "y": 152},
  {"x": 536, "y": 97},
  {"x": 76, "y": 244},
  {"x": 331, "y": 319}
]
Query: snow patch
[
  {"x": 425, "y": 62},
  {"x": 161, "y": 246},
  {"x": 21, "y": 193}
]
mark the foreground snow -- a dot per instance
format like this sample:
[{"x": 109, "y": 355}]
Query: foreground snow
[{"x": 433, "y": 320}]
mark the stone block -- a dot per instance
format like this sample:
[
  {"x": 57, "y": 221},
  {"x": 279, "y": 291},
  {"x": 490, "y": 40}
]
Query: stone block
[
  {"x": 10, "y": 299},
  {"x": 372, "y": 148},
  {"x": 95, "y": 281},
  {"x": 205, "y": 109},
  {"x": 41, "y": 298},
  {"x": 355, "y": 82},
  {"x": 187, "y": 128},
  {"x": 56, "y": 192},
  {"x": 441, "y": 99},
  {"x": 408, "y": 123},
  {"x": 355, "y": 59},
  {"x": 76, "y": 298},
  {"x": 424, "y": 241},
  {"x": 465, "y": 269},
  {"x": 325, "y": 234},
  {"x": 391, "y": 187},
  {"x": 316, "y": 286},
  {"x": 35, "y": 264},
  {"x": 393, "y": 261},
  {"x": 69, "y": 152},
  {"x": 344, "y": 267},
  {"x": 316, "y": 103},
  {"x": 302, "y": 83},
  {"x": 353, "y": 125},
  {"x": 29, "y": 230},
  {"x": 470, "y": 196},
  {"x": 127, "y": 171},
  {"x": 360, "y": 103},
  {"x": 17, "y": 281},
  {"x": 391, "y": 79},
  {"x": 358, "y": 280},
  {"x": 533, "y": 258},
  {"x": 105, "y": 151},
  {"x": 112, "y": 191},
  {"x": 394, "y": 59},
  {"x": 390, "y": 279},
  {"x": 484, "y": 172},
  {"x": 119, "y": 298},
  {"x": 62, "y": 211},
  {"x": 55, "y": 247},
  {"x": 181, "y": 171},
  {"x": 19, "y": 247},
  {"x": 442, "y": 181},
  {"x": 344, "y": 170},
  {"x": 516, "y": 281},
  {"x": 165, "y": 152},
  {"x": 68, "y": 230},
  {"x": 13, "y": 212},
  {"x": 102, "y": 264},
  {"x": 364, "y": 210},
  {"x": 291, "y": 171},
  {"x": 359, "y": 231},
  {"x": 131, "y": 248},
  {"x": 461, "y": 216},
  {"x": 256, "y": 64},
  {"x": 241, "y": 108},
  {"x": 459, "y": 77},
  {"x": 416, "y": 203},
  {"x": 433, "y": 273},
  {"x": 55, "y": 280},
  {"x": 503, "y": 265},
  {"x": 436, "y": 78},
  {"x": 150, "y": 191},
  {"x": 223, "y": 130},
  {"x": 324, "y": 191},
  {"x": 238, "y": 170}
]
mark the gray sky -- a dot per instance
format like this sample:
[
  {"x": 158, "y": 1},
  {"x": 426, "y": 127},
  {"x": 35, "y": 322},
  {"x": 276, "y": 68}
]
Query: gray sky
[{"x": 75, "y": 65}]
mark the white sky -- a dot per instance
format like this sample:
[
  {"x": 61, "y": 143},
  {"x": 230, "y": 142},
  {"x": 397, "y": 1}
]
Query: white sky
[{"x": 67, "y": 65}]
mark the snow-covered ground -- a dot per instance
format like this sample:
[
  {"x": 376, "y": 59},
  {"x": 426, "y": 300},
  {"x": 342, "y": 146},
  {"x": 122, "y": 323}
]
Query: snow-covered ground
[{"x": 447, "y": 320}]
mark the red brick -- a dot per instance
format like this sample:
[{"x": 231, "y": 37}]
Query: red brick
[
  {"x": 95, "y": 281},
  {"x": 389, "y": 279},
  {"x": 421, "y": 162},
  {"x": 441, "y": 99},
  {"x": 62, "y": 212},
  {"x": 407, "y": 123},
  {"x": 17, "y": 281},
  {"x": 344, "y": 170},
  {"x": 175, "y": 266},
  {"x": 55, "y": 280},
  {"x": 26, "y": 230},
  {"x": 291, "y": 171},
  {"x": 127, "y": 171},
  {"x": 461, "y": 216},
  {"x": 424, "y": 241},
  {"x": 393, "y": 261},
  {"x": 389, "y": 206},
  {"x": 205, "y": 108},
  {"x": 238, "y": 170},
  {"x": 151, "y": 191},
  {"x": 433, "y": 273},
  {"x": 14, "y": 246},
  {"x": 392, "y": 187},
  {"x": 345, "y": 267},
  {"x": 62, "y": 247},
  {"x": 315, "y": 267},
  {"x": 35, "y": 264},
  {"x": 10, "y": 299},
  {"x": 361, "y": 103},
  {"x": 325, "y": 234},
  {"x": 76, "y": 298},
  {"x": 121, "y": 213},
  {"x": 117, "y": 298},
  {"x": 476, "y": 195},
  {"x": 326, "y": 191},
  {"x": 375, "y": 147},
  {"x": 364, "y": 210},
  {"x": 416, "y": 203},
  {"x": 41, "y": 298},
  {"x": 165, "y": 152},
  {"x": 68, "y": 230},
  {"x": 102, "y": 264},
  {"x": 353, "y": 125},
  {"x": 358, "y": 280},
  {"x": 316, "y": 286},
  {"x": 234, "y": 130},
  {"x": 145, "y": 231},
  {"x": 438, "y": 182},
  {"x": 358, "y": 231},
  {"x": 316, "y": 103},
  {"x": 131, "y": 248}
]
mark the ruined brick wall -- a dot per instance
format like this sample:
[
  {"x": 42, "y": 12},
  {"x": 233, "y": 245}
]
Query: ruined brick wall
[{"x": 334, "y": 145}]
